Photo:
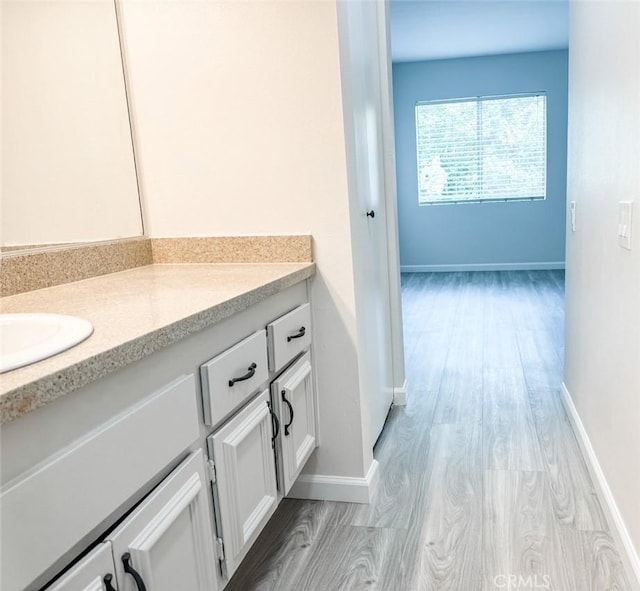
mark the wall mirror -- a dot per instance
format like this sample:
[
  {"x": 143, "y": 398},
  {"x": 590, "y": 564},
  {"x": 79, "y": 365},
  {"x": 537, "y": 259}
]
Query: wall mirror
[{"x": 68, "y": 168}]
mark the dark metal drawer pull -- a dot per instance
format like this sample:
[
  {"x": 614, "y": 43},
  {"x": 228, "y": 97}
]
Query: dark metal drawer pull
[
  {"x": 284, "y": 399},
  {"x": 251, "y": 371},
  {"x": 107, "y": 582},
  {"x": 299, "y": 334},
  {"x": 126, "y": 562}
]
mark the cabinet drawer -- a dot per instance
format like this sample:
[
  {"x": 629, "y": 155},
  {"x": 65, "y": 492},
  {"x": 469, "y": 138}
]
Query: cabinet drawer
[
  {"x": 233, "y": 376},
  {"x": 62, "y": 500},
  {"x": 288, "y": 336}
]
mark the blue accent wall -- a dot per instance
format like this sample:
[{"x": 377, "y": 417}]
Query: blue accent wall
[{"x": 513, "y": 234}]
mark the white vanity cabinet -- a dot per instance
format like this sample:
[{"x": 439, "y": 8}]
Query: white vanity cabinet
[
  {"x": 294, "y": 398},
  {"x": 95, "y": 572},
  {"x": 273, "y": 428},
  {"x": 168, "y": 478},
  {"x": 167, "y": 542}
]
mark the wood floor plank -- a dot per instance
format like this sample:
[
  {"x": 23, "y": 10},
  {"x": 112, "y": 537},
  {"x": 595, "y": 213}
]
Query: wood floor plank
[
  {"x": 460, "y": 390},
  {"x": 497, "y": 299},
  {"x": 573, "y": 495},
  {"x": 425, "y": 368},
  {"x": 500, "y": 348},
  {"x": 459, "y": 397},
  {"x": 521, "y": 536},
  {"x": 449, "y": 551},
  {"x": 510, "y": 441},
  {"x": 541, "y": 362},
  {"x": 469, "y": 317},
  {"x": 466, "y": 348},
  {"x": 595, "y": 561},
  {"x": 402, "y": 453},
  {"x": 548, "y": 292},
  {"x": 352, "y": 558},
  {"x": 422, "y": 300},
  {"x": 283, "y": 547},
  {"x": 522, "y": 303},
  {"x": 547, "y": 288},
  {"x": 418, "y": 292}
]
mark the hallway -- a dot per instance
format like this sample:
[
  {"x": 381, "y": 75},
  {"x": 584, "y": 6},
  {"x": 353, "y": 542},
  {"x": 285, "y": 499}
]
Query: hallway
[{"x": 482, "y": 485}]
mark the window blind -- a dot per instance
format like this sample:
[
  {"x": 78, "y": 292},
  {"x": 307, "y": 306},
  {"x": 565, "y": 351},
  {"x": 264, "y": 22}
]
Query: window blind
[{"x": 482, "y": 149}]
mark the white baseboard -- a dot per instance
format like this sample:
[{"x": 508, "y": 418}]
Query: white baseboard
[
  {"x": 337, "y": 488},
  {"x": 544, "y": 266},
  {"x": 400, "y": 394},
  {"x": 619, "y": 530}
]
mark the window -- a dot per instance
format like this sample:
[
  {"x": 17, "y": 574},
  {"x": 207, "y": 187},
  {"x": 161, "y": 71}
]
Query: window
[{"x": 482, "y": 149}]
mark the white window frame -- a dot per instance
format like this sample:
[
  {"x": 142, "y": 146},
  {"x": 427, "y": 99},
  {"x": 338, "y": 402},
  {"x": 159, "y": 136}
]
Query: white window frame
[{"x": 482, "y": 99}]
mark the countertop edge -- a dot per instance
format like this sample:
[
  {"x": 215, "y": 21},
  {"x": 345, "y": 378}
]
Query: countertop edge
[{"x": 40, "y": 392}]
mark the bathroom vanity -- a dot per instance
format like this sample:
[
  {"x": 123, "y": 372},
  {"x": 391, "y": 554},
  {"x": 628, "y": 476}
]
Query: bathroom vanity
[{"x": 152, "y": 455}]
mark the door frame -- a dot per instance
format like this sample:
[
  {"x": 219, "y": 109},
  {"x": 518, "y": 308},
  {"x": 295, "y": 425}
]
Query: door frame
[{"x": 391, "y": 204}]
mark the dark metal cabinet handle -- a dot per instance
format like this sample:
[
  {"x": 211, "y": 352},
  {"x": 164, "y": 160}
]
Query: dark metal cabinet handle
[
  {"x": 107, "y": 582},
  {"x": 371, "y": 214},
  {"x": 126, "y": 562},
  {"x": 298, "y": 335},
  {"x": 275, "y": 425},
  {"x": 284, "y": 399},
  {"x": 251, "y": 371}
]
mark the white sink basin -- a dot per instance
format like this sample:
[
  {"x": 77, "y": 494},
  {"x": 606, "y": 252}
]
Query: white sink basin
[{"x": 27, "y": 338}]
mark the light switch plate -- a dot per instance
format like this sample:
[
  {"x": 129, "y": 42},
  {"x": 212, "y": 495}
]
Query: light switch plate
[{"x": 625, "y": 216}]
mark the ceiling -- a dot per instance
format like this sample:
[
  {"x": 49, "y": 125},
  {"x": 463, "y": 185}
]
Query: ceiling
[{"x": 441, "y": 29}]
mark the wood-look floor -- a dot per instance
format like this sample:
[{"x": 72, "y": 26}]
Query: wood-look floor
[{"x": 483, "y": 485}]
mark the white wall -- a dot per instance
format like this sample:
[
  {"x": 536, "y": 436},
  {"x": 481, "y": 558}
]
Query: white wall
[
  {"x": 67, "y": 161},
  {"x": 239, "y": 128},
  {"x": 603, "y": 280}
]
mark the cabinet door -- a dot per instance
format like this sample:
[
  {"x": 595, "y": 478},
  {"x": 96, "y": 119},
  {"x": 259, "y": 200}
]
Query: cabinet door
[
  {"x": 293, "y": 395},
  {"x": 95, "y": 572},
  {"x": 245, "y": 478},
  {"x": 167, "y": 542}
]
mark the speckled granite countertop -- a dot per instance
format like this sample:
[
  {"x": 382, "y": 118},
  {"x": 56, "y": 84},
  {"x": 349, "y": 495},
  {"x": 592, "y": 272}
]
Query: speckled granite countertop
[{"x": 134, "y": 313}]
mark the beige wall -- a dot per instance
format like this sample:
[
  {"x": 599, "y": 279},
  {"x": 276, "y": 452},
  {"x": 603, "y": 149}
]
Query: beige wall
[
  {"x": 67, "y": 161},
  {"x": 239, "y": 126},
  {"x": 603, "y": 280}
]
